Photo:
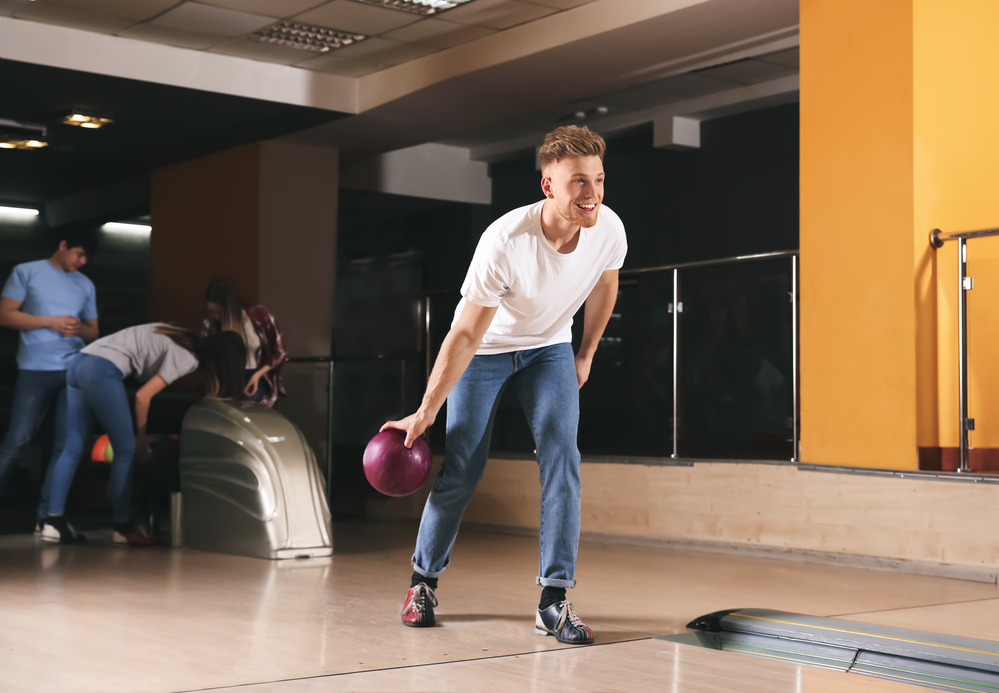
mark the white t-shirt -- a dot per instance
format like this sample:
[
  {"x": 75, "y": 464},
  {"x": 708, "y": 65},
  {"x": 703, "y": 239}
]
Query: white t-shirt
[
  {"x": 537, "y": 289},
  {"x": 252, "y": 341}
]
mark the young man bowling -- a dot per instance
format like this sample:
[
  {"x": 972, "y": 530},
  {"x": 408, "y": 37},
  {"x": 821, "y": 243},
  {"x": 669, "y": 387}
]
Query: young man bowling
[{"x": 532, "y": 270}]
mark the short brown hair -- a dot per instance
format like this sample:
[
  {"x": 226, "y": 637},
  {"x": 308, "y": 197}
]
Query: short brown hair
[{"x": 567, "y": 142}]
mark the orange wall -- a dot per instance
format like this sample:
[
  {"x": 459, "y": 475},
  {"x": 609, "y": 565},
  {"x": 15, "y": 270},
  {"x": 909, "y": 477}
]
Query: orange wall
[
  {"x": 899, "y": 114},
  {"x": 956, "y": 182},
  {"x": 858, "y": 322},
  {"x": 205, "y": 225}
]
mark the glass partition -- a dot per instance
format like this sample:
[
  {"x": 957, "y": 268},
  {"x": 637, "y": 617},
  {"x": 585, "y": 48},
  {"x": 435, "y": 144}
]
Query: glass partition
[
  {"x": 626, "y": 406},
  {"x": 707, "y": 349},
  {"x": 735, "y": 384}
]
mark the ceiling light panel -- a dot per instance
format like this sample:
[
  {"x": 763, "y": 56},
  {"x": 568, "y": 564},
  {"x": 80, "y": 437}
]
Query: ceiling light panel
[
  {"x": 306, "y": 37},
  {"x": 17, "y": 141},
  {"x": 422, "y": 7},
  {"x": 89, "y": 122},
  {"x": 22, "y": 212},
  {"x": 117, "y": 227},
  {"x": 204, "y": 19}
]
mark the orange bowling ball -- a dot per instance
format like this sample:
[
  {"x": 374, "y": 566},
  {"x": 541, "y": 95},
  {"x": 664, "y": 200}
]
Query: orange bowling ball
[{"x": 102, "y": 451}]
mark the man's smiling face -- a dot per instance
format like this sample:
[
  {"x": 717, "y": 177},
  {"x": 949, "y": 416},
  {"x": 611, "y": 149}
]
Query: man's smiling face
[{"x": 577, "y": 187}]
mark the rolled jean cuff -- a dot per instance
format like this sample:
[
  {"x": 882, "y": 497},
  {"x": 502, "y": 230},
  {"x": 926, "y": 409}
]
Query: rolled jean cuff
[
  {"x": 551, "y": 582},
  {"x": 427, "y": 573}
]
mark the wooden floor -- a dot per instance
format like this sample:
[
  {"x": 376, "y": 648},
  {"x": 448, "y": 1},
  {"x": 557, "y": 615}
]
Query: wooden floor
[{"x": 98, "y": 618}]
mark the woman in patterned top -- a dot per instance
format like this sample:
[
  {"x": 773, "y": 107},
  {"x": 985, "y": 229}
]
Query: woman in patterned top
[{"x": 265, "y": 350}]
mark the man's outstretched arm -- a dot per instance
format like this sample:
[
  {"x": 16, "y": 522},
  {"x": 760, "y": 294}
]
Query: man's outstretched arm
[
  {"x": 599, "y": 306},
  {"x": 456, "y": 353}
]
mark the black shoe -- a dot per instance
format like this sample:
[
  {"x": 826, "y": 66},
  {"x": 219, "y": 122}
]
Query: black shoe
[
  {"x": 39, "y": 526},
  {"x": 418, "y": 610},
  {"x": 562, "y": 621},
  {"x": 57, "y": 530}
]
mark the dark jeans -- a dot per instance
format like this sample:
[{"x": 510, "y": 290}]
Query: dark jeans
[{"x": 34, "y": 394}]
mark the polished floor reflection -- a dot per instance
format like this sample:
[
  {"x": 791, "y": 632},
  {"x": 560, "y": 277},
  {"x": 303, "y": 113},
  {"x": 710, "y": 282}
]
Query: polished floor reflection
[{"x": 98, "y": 618}]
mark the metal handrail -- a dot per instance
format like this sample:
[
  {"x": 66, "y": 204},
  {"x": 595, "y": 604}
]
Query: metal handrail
[
  {"x": 964, "y": 285},
  {"x": 938, "y": 237},
  {"x": 775, "y": 255},
  {"x": 676, "y": 307}
]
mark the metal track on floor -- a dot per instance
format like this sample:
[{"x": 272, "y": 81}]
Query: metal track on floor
[{"x": 943, "y": 662}]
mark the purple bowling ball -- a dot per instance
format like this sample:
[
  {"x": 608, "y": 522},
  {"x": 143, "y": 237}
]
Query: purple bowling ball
[{"x": 394, "y": 469}]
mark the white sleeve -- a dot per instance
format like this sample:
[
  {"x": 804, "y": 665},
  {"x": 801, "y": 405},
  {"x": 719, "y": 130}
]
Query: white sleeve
[
  {"x": 620, "y": 251},
  {"x": 488, "y": 277}
]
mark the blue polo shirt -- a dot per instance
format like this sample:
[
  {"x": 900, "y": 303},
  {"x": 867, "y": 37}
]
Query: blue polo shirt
[{"x": 45, "y": 290}]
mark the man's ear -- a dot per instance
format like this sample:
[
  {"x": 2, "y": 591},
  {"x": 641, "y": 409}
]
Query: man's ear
[
  {"x": 546, "y": 187},
  {"x": 63, "y": 246}
]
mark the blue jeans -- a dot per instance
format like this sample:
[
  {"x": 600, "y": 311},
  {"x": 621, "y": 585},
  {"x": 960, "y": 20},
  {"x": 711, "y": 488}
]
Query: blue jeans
[
  {"x": 94, "y": 384},
  {"x": 34, "y": 393},
  {"x": 545, "y": 382}
]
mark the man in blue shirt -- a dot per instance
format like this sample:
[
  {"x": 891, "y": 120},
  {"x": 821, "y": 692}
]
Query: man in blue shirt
[{"x": 53, "y": 306}]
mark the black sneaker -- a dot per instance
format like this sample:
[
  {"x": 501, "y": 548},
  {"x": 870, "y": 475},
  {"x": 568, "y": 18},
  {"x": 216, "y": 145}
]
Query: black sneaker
[
  {"x": 418, "y": 610},
  {"x": 39, "y": 526},
  {"x": 562, "y": 621},
  {"x": 57, "y": 530}
]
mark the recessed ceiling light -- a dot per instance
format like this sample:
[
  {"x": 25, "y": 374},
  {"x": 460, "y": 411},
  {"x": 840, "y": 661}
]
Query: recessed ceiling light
[
  {"x": 130, "y": 229},
  {"x": 424, "y": 7},
  {"x": 86, "y": 121},
  {"x": 18, "y": 212},
  {"x": 306, "y": 37},
  {"x": 18, "y": 141}
]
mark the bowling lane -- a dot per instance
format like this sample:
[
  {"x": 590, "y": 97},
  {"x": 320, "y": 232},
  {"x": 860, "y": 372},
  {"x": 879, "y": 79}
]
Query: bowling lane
[
  {"x": 162, "y": 620},
  {"x": 644, "y": 666}
]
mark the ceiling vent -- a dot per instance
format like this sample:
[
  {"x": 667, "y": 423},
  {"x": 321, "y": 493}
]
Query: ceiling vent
[{"x": 306, "y": 37}]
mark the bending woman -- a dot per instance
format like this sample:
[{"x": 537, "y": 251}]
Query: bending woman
[
  {"x": 265, "y": 350},
  {"x": 157, "y": 355}
]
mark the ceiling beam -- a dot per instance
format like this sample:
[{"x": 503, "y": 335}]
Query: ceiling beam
[{"x": 73, "y": 49}]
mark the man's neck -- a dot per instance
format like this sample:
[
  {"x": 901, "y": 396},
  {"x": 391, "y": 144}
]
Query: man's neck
[
  {"x": 562, "y": 235},
  {"x": 55, "y": 263}
]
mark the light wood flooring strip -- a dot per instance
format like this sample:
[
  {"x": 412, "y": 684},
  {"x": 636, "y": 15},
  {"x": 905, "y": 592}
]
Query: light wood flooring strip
[{"x": 645, "y": 666}]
